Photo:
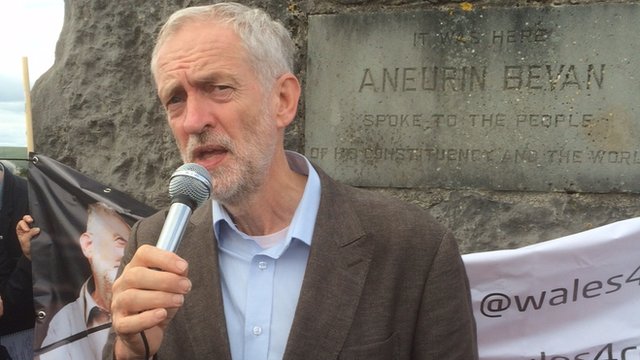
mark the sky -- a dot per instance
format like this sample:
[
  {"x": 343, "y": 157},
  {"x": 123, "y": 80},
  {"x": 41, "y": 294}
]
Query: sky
[{"x": 31, "y": 28}]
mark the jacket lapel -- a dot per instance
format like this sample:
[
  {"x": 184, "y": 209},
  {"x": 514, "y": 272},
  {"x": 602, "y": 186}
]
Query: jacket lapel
[
  {"x": 333, "y": 282},
  {"x": 334, "y": 278},
  {"x": 206, "y": 310}
]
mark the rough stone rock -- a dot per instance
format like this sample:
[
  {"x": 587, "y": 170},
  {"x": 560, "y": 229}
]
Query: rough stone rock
[{"x": 96, "y": 110}]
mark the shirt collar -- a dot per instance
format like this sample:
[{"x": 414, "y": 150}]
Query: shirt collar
[
  {"x": 88, "y": 301},
  {"x": 303, "y": 221}
]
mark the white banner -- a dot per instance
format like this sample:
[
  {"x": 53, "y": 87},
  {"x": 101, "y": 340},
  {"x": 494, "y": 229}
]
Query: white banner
[{"x": 572, "y": 298}]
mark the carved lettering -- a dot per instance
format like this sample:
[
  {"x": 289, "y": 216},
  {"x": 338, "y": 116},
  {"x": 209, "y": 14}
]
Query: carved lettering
[
  {"x": 427, "y": 78},
  {"x": 553, "y": 77}
]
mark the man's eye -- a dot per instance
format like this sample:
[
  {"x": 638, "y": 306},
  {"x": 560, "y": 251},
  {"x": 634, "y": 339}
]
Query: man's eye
[
  {"x": 174, "y": 100},
  {"x": 120, "y": 242},
  {"x": 219, "y": 91},
  {"x": 215, "y": 87}
]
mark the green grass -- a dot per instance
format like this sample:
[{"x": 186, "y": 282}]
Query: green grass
[{"x": 11, "y": 153}]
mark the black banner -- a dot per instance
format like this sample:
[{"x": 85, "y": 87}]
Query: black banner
[{"x": 84, "y": 227}]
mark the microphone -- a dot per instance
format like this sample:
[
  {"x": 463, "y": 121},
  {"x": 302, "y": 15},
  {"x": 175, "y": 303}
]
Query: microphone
[{"x": 189, "y": 187}]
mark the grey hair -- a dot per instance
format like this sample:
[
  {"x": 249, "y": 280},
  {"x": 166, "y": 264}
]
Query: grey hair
[
  {"x": 267, "y": 42},
  {"x": 97, "y": 209}
]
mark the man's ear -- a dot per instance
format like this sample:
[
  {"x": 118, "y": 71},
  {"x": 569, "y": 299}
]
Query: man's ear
[
  {"x": 286, "y": 94},
  {"x": 86, "y": 245}
]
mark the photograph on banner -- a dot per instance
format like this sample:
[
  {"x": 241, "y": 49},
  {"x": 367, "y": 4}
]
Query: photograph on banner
[
  {"x": 572, "y": 298},
  {"x": 84, "y": 228}
]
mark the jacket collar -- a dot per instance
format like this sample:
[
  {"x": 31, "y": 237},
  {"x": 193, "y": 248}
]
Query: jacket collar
[
  {"x": 335, "y": 276},
  {"x": 211, "y": 322}
]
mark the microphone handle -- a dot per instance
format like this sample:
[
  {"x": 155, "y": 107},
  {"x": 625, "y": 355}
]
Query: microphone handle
[{"x": 174, "y": 226}]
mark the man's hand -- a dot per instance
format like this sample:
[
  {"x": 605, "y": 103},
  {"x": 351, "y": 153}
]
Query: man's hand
[
  {"x": 1, "y": 307},
  {"x": 25, "y": 233},
  {"x": 146, "y": 296}
]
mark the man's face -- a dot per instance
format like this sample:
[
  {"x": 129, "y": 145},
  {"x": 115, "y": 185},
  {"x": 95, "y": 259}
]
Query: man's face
[
  {"x": 217, "y": 110},
  {"x": 108, "y": 235}
]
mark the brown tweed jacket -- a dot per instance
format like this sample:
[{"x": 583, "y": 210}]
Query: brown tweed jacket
[{"x": 383, "y": 281}]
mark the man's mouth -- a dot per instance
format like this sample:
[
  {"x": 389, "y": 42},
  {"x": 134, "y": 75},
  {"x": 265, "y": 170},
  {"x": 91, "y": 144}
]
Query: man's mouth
[
  {"x": 209, "y": 155},
  {"x": 204, "y": 152}
]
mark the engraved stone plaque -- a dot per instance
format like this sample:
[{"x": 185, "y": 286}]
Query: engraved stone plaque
[{"x": 527, "y": 98}]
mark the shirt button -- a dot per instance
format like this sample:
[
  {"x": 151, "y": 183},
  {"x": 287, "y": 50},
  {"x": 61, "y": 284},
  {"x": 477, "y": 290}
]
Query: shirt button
[
  {"x": 257, "y": 330},
  {"x": 262, "y": 265}
]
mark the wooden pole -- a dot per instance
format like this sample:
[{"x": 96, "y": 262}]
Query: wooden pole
[{"x": 27, "y": 103}]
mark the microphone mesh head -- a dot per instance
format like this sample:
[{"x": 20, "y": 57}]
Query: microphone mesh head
[{"x": 191, "y": 180}]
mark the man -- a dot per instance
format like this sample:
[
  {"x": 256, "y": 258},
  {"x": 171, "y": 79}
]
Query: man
[
  {"x": 284, "y": 262},
  {"x": 17, "y": 314},
  {"x": 80, "y": 329}
]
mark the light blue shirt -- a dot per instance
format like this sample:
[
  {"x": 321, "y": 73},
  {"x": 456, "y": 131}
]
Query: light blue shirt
[{"x": 261, "y": 287}]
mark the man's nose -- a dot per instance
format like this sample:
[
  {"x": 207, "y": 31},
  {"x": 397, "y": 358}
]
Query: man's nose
[{"x": 199, "y": 115}]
